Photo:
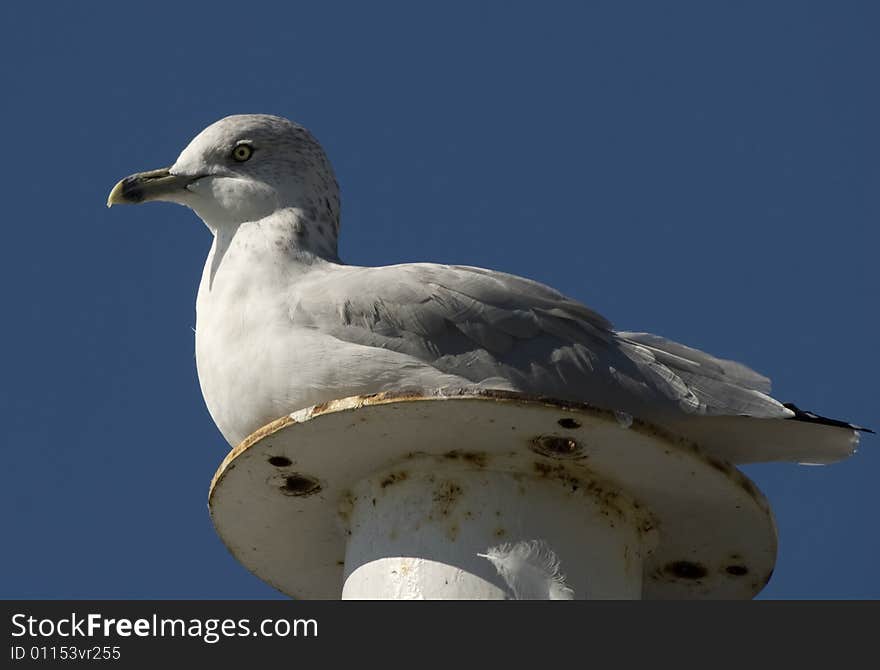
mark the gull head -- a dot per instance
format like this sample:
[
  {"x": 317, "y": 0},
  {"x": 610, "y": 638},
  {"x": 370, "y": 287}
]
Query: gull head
[{"x": 245, "y": 168}]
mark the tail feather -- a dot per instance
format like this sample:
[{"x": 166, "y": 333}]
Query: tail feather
[
  {"x": 713, "y": 386},
  {"x": 812, "y": 417},
  {"x": 689, "y": 360},
  {"x": 746, "y": 439},
  {"x": 736, "y": 420}
]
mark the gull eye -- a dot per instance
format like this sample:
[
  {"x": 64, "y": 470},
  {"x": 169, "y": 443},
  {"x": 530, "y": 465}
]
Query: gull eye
[{"x": 242, "y": 152}]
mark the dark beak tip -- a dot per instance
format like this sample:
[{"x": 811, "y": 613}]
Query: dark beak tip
[
  {"x": 132, "y": 190},
  {"x": 144, "y": 186}
]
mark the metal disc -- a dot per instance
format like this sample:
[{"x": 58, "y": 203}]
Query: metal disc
[{"x": 278, "y": 500}]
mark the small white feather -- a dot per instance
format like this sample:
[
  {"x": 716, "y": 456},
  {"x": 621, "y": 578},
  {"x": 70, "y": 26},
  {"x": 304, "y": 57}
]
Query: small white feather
[{"x": 530, "y": 569}]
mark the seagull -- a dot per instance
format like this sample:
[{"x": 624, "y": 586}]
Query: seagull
[{"x": 283, "y": 324}]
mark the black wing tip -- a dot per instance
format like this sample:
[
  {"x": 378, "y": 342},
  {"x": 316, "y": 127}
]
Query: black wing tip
[{"x": 811, "y": 417}]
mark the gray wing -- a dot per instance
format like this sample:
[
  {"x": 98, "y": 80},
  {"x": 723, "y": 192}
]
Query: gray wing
[{"x": 496, "y": 329}]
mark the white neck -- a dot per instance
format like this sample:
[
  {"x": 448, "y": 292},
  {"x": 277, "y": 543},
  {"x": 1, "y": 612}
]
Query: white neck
[{"x": 284, "y": 240}]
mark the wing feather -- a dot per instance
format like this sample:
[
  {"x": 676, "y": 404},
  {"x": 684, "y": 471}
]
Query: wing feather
[{"x": 501, "y": 331}]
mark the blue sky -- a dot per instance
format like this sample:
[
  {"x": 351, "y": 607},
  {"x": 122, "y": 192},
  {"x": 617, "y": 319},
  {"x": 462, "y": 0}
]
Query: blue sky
[{"x": 705, "y": 171}]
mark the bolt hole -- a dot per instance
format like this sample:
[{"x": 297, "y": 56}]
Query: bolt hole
[
  {"x": 280, "y": 461},
  {"x": 300, "y": 485},
  {"x": 556, "y": 447},
  {"x": 569, "y": 423},
  {"x": 737, "y": 570},
  {"x": 686, "y": 570}
]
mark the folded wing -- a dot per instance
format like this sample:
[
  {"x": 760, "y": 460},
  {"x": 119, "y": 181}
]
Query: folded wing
[{"x": 495, "y": 330}]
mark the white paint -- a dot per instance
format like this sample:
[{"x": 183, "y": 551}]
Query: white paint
[
  {"x": 711, "y": 530},
  {"x": 418, "y": 533}
]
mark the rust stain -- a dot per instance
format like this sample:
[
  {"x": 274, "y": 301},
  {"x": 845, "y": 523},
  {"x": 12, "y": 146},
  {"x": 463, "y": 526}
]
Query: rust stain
[
  {"x": 719, "y": 465},
  {"x": 508, "y": 397},
  {"x": 560, "y": 473},
  {"x": 446, "y": 495},
  {"x": 511, "y": 397},
  {"x": 477, "y": 458},
  {"x": 393, "y": 478},
  {"x": 321, "y": 408},
  {"x": 609, "y": 498},
  {"x": 748, "y": 486},
  {"x": 544, "y": 469}
]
